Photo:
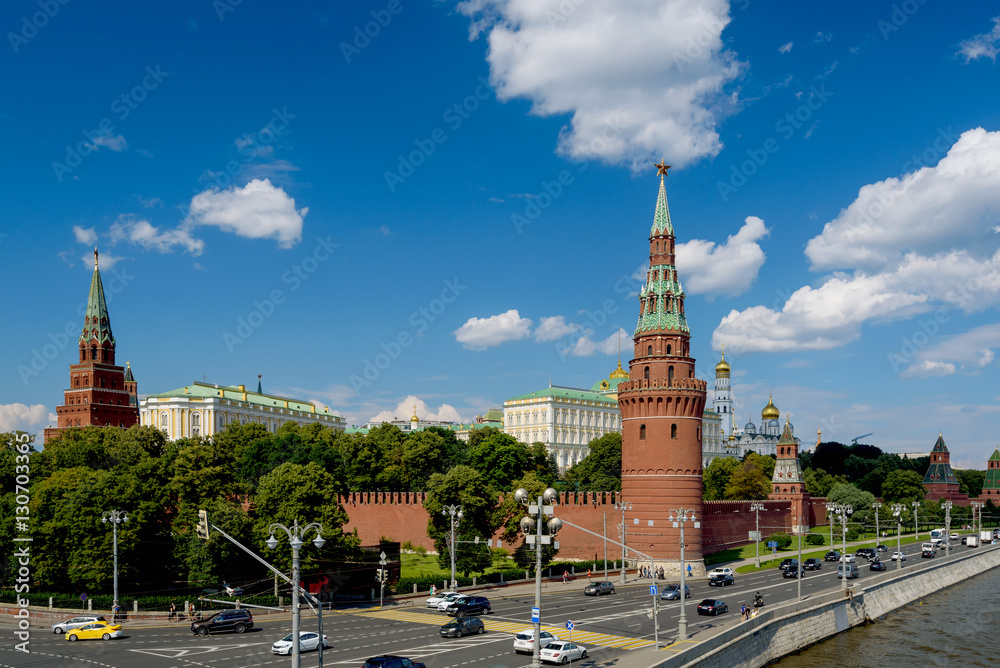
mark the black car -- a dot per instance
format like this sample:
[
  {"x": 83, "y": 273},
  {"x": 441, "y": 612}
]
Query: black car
[
  {"x": 832, "y": 555},
  {"x": 463, "y": 626},
  {"x": 882, "y": 548},
  {"x": 711, "y": 606},
  {"x": 470, "y": 605},
  {"x": 721, "y": 580},
  {"x": 927, "y": 553},
  {"x": 236, "y": 621},
  {"x": 785, "y": 563},
  {"x": 389, "y": 661},
  {"x": 792, "y": 572},
  {"x": 599, "y": 589},
  {"x": 866, "y": 552},
  {"x": 812, "y": 565},
  {"x": 877, "y": 565}
]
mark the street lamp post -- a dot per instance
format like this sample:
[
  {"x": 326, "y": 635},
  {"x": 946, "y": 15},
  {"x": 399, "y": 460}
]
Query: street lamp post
[
  {"x": 977, "y": 506},
  {"x": 623, "y": 506},
  {"x": 536, "y": 523},
  {"x": 756, "y": 507},
  {"x": 897, "y": 511},
  {"x": 802, "y": 571},
  {"x": 295, "y": 534},
  {"x": 116, "y": 517},
  {"x": 605, "y": 546},
  {"x": 680, "y": 516},
  {"x": 916, "y": 523},
  {"x": 947, "y": 505},
  {"x": 844, "y": 512},
  {"x": 831, "y": 508},
  {"x": 456, "y": 517},
  {"x": 876, "y": 506}
]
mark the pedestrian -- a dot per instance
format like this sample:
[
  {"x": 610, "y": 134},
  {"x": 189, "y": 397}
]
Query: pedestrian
[
  {"x": 661, "y": 573},
  {"x": 689, "y": 570},
  {"x": 173, "y": 612},
  {"x": 744, "y": 612},
  {"x": 115, "y": 613},
  {"x": 588, "y": 575},
  {"x": 565, "y": 577},
  {"x": 191, "y": 612}
]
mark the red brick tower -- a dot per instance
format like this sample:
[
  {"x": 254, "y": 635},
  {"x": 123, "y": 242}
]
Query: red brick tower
[
  {"x": 662, "y": 405},
  {"x": 787, "y": 483},
  {"x": 991, "y": 486},
  {"x": 940, "y": 481},
  {"x": 100, "y": 393}
]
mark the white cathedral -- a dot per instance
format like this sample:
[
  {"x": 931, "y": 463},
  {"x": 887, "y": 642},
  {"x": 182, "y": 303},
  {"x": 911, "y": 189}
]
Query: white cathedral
[{"x": 762, "y": 440}]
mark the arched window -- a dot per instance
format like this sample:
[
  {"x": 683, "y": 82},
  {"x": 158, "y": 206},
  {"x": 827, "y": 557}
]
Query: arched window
[
  {"x": 670, "y": 373},
  {"x": 673, "y": 431},
  {"x": 645, "y": 372},
  {"x": 196, "y": 424},
  {"x": 163, "y": 421},
  {"x": 649, "y": 350},
  {"x": 642, "y": 432},
  {"x": 668, "y": 348}
]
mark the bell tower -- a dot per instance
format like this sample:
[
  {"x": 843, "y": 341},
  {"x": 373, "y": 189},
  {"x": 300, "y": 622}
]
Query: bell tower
[{"x": 661, "y": 405}]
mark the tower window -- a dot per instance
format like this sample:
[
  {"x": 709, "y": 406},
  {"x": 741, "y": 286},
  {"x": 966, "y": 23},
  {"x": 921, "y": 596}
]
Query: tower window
[
  {"x": 668, "y": 348},
  {"x": 670, "y": 373},
  {"x": 649, "y": 350},
  {"x": 642, "y": 432},
  {"x": 645, "y": 372},
  {"x": 673, "y": 431}
]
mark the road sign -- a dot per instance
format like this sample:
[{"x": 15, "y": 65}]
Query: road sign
[
  {"x": 536, "y": 615},
  {"x": 569, "y": 625},
  {"x": 772, "y": 543},
  {"x": 652, "y": 590},
  {"x": 83, "y": 597}
]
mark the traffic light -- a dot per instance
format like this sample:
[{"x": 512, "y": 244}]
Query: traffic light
[
  {"x": 202, "y": 527},
  {"x": 380, "y": 575}
]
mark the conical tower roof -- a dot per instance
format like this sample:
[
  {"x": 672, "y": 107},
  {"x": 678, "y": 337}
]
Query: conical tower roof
[
  {"x": 996, "y": 456},
  {"x": 992, "y": 481},
  {"x": 787, "y": 437},
  {"x": 129, "y": 378},
  {"x": 939, "y": 445},
  {"x": 97, "y": 323},
  {"x": 661, "y": 217}
]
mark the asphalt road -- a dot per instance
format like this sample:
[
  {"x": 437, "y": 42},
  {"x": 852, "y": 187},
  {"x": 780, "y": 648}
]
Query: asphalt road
[{"x": 412, "y": 630}]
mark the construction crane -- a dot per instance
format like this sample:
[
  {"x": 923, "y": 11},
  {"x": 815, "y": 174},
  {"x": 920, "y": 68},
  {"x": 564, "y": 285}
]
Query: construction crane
[{"x": 855, "y": 439}]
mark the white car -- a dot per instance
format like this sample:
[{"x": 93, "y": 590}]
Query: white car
[
  {"x": 524, "y": 642},
  {"x": 75, "y": 623},
  {"x": 955, "y": 537},
  {"x": 308, "y": 642},
  {"x": 562, "y": 652},
  {"x": 848, "y": 558},
  {"x": 898, "y": 556},
  {"x": 436, "y": 599},
  {"x": 449, "y": 599},
  {"x": 721, "y": 571}
]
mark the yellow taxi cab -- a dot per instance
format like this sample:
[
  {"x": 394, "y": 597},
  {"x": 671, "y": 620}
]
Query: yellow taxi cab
[{"x": 95, "y": 631}]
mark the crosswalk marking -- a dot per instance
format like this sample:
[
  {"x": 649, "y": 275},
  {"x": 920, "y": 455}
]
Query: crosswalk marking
[{"x": 582, "y": 637}]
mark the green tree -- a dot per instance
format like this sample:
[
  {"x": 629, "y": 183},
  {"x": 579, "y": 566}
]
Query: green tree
[
  {"x": 716, "y": 477},
  {"x": 501, "y": 459},
  {"x": 819, "y": 482},
  {"x": 462, "y": 486},
  {"x": 860, "y": 501},
  {"x": 970, "y": 481},
  {"x": 749, "y": 480},
  {"x": 903, "y": 487},
  {"x": 601, "y": 469}
]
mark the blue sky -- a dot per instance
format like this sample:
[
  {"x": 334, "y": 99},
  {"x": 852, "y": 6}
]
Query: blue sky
[{"x": 466, "y": 190}]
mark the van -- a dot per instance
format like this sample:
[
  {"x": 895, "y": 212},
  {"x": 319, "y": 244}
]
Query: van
[
  {"x": 928, "y": 547},
  {"x": 849, "y": 571}
]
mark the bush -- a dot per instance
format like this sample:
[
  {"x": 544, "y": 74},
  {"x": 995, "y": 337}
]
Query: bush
[
  {"x": 852, "y": 534},
  {"x": 815, "y": 539},
  {"x": 783, "y": 540}
]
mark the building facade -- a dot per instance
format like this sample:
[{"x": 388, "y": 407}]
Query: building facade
[
  {"x": 787, "y": 483},
  {"x": 203, "y": 409},
  {"x": 100, "y": 392},
  {"x": 662, "y": 405}
]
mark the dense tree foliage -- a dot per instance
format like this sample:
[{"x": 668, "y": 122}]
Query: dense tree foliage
[
  {"x": 903, "y": 487},
  {"x": 601, "y": 469},
  {"x": 716, "y": 477}
]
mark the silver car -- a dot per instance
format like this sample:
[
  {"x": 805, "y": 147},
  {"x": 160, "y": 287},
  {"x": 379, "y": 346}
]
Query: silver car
[
  {"x": 672, "y": 592},
  {"x": 75, "y": 623}
]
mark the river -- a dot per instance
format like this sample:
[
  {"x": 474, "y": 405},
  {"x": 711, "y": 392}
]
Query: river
[{"x": 954, "y": 627}]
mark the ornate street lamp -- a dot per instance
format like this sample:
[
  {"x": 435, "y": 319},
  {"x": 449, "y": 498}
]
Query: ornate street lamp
[{"x": 295, "y": 534}]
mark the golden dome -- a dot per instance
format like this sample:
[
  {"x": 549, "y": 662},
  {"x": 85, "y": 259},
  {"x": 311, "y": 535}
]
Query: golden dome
[
  {"x": 732, "y": 434},
  {"x": 770, "y": 411},
  {"x": 619, "y": 372},
  {"x": 414, "y": 419},
  {"x": 722, "y": 368}
]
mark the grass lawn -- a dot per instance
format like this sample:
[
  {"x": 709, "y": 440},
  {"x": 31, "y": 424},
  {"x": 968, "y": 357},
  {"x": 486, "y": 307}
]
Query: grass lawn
[{"x": 421, "y": 565}]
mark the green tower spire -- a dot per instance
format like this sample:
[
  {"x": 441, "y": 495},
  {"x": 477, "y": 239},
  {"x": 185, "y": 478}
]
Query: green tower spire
[
  {"x": 96, "y": 322},
  {"x": 661, "y": 218}
]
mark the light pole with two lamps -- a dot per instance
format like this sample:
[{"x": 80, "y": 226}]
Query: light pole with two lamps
[
  {"x": 116, "y": 517},
  {"x": 947, "y": 505},
  {"x": 623, "y": 506},
  {"x": 756, "y": 507},
  {"x": 535, "y": 521},
  {"x": 456, "y": 517},
  {"x": 830, "y": 510},
  {"x": 897, "y": 512},
  {"x": 295, "y": 534},
  {"x": 876, "y": 506},
  {"x": 843, "y": 513},
  {"x": 679, "y": 516},
  {"x": 916, "y": 524},
  {"x": 977, "y": 506}
]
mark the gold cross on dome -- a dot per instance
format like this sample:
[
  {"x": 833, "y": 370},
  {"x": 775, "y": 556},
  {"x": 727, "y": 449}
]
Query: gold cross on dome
[{"x": 662, "y": 167}]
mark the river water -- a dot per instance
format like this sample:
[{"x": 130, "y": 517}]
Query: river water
[{"x": 958, "y": 626}]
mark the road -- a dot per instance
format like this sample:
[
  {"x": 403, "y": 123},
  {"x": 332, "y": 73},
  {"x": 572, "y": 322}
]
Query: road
[{"x": 615, "y": 629}]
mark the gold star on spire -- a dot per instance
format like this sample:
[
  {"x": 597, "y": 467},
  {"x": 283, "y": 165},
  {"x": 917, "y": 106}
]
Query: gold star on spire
[{"x": 662, "y": 167}]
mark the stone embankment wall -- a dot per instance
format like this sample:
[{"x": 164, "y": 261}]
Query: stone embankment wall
[{"x": 792, "y": 627}]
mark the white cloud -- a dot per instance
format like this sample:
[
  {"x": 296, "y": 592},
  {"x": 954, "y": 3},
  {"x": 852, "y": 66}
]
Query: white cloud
[
  {"x": 728, "y": 269},
  {"x": 639, "y": 79},
  {"x": 822, "y": 37},
  {"x": 986, "y": 45},
  {"x": 785, "y": 48},
  {"x": 384, "y": 231},
  {"x": 248, "y": 145},
  {"x": 108, "y": 261},
  {"x": 26, "y": 418},
  {"x": 968, "y": 352},
  {"x": 923, "y": 211},
  {"x": 916, "y": 242},
  {"x": 85, "y": 235},
  {"x": 585, "y": 347},
  {"x": 115, "y": 143},
  {"x": 925, "y": 368},
  {"x": 554, "y": 328},
  {"x": 483, "y": 333},
  {"x": 145, "y": 234},
  {"x": 258, "y": 210},
  {"x": 404, "y": 411}
]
